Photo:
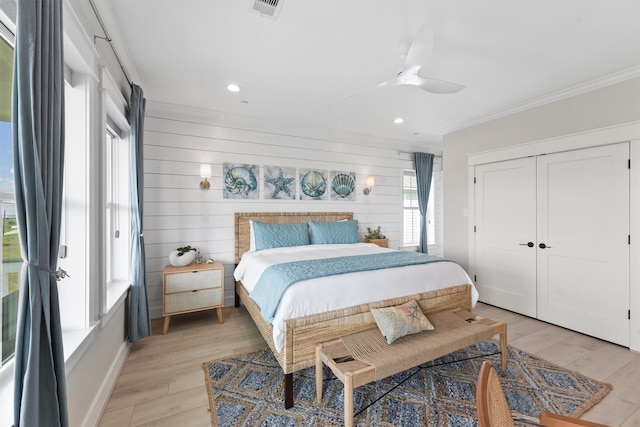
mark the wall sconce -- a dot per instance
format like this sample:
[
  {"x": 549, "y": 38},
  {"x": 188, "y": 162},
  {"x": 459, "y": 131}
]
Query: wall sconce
[
  {"x": 205, "y": 172},
  {"x": 371, "y": 182}
]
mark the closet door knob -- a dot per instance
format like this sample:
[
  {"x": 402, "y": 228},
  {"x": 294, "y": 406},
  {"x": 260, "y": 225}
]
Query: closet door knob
[
  {"x": 530, "y": 244},
  {"x": 543, "y": 246}
]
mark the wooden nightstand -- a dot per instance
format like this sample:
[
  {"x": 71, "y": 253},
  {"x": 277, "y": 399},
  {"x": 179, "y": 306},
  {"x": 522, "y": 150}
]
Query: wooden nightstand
[
  {"x": 383, "y": 243},
  {"x": 194, "y": 287}
]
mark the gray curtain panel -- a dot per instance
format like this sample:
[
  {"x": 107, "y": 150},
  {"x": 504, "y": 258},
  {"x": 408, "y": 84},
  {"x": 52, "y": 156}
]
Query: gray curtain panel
[
  {"x": 38, "y": 146},
  {"x": 139, "y": 321},
  {"x": 424, "y": 171}
]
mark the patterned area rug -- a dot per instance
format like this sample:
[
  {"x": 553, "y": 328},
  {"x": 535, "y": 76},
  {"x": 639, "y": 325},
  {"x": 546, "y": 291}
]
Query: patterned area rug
[{"x": 247, "y": 390}]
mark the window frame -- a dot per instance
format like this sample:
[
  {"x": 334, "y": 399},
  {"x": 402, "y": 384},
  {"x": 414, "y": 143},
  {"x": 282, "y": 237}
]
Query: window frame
[
  {"x": 434, "y": 210},
  {"x": 7, "y": 33},
  {"x": 117, "y": 216},
  {"x": 415, "y": 210}
]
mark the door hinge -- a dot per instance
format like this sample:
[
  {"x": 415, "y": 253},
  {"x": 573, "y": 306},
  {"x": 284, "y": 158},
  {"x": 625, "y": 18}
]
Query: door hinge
[
  {"x": 474, "y": 179},
  {"x": 629, "y": 239},
  {"x": 474, "y": 228},
  {"x": 629, "y": 164},
  {"x": 475, "y": 278},
  {"x": 629, "y": 314}
]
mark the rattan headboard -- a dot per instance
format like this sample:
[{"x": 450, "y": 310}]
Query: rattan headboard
[{"x": 242, "y": 223}]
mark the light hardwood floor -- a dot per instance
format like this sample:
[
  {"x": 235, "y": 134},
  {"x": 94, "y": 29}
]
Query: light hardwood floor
[{"x": 162, "y": 382}]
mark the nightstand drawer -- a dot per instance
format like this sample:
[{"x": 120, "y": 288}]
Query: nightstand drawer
[
  {"x": 194, "y": 280},
  {"x": 191, "y": 301}
]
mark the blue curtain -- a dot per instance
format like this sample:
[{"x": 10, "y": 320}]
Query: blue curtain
[
  {"x": 139, "y": 321},
  {"x": 38, "y": 146},
  {"x": 424, "y": 171}
]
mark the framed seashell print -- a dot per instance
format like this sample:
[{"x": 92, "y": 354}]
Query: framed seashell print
[
  {"x": 279, "y": 183},
  {"x": 313, "y": 184},
  {"x": 343, "y": 185},
  {"x": 240, "y": 181}
]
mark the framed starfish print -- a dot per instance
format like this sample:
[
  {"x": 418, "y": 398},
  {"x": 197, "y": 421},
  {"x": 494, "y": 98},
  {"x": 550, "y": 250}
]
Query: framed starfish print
[{"x": 279, "y": 183}]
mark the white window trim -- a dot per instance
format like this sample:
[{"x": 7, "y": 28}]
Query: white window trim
[
  {"x": 437, "y": 198},
  {"x": 113, "y": 120},
  {"x": 6, "y": 393},
  {"x": 438, "y": 214}
]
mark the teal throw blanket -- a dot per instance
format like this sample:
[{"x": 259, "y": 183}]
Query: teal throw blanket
[{"x": 275, "y": 280}]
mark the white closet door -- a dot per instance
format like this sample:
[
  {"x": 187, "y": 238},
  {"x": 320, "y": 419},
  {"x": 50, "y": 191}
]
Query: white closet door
[
  {"x": 583, "y": 220},
  {"x": 505, "y": 214}
]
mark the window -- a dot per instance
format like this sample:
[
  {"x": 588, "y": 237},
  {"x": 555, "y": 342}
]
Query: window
[
  {"x": 411, "y": 211},
  {"x": 74, "y": 256},
  {"x": 10, "y": 248},
  {"x": 117, "y": 214}
]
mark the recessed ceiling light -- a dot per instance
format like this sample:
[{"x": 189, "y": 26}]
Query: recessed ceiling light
[
  {"x": 232, "y": 87},
  {"x": 398, "y": 120}
]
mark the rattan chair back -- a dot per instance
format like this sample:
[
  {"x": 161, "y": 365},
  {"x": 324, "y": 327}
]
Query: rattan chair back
[{"x": 493, "y": 409}]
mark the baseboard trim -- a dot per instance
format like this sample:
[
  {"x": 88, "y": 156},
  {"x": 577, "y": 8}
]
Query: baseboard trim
[{"x": 102, "y": 396}]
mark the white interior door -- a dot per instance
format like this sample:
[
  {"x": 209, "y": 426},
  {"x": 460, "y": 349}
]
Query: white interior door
[
  {"x": 583, "y": 250},
  {"x": 505, "y": 234}
]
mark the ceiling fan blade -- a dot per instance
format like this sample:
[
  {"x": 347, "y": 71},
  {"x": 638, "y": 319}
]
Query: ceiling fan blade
[
  {"x": 420, "y": 49},
  {"x": 396, "y": 81},
  {"x": 438, "y": 86},
  {"x": 393, "y": 82}
]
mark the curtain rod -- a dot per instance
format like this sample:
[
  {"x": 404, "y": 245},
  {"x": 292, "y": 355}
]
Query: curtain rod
[{"x": 108, "y": 39}]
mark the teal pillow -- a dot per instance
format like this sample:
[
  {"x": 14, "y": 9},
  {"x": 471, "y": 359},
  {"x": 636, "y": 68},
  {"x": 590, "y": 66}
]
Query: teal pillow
[
  {"x": 280, "y": 235},
  {"x": 323, "y": 233}
]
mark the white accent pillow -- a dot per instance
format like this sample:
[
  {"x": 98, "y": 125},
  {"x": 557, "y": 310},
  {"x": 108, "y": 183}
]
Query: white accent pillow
[{"x": 252, "y": 237}]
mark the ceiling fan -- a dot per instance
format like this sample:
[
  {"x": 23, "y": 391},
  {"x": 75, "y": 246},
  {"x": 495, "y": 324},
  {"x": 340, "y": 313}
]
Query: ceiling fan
[{"x": 413, "y": 70}]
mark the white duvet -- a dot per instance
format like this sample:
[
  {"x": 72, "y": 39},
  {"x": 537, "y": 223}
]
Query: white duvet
[{"x": 344, "y": 290}]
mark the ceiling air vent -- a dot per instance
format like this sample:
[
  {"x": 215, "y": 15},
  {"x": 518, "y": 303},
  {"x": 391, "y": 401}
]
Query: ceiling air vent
[{"x": 270, "y": 8}]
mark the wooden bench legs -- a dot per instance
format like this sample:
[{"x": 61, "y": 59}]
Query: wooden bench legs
[{"x": 503, "y": 348}]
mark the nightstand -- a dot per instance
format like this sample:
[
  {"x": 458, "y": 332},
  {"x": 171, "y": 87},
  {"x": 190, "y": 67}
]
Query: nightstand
[
  {"x": 383, "y": 243},
  {"x": 194, "y": 287}
]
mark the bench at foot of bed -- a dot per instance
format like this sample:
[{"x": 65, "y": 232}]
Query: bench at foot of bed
[{"x": 361, "y": 358}]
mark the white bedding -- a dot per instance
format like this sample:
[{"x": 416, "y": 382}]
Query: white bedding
[{"x": 344, "y": 290}]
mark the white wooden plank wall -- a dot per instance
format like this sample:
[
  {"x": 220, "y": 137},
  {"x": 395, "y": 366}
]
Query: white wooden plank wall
[{"x": 178, "y": 212}]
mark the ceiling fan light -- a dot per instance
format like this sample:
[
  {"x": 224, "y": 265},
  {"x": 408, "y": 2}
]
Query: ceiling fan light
[{"x": 232, "y": 87}]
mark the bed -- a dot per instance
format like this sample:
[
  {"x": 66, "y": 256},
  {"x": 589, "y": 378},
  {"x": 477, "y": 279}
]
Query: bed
[{"x": 293, "y": 337}]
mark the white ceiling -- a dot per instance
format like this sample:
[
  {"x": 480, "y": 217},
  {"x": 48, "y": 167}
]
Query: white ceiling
[{"x": 301, "y": 68}]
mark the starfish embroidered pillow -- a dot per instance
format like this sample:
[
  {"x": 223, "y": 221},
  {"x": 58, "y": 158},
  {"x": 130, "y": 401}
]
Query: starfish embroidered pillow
[{"x": 401, "y": 320}]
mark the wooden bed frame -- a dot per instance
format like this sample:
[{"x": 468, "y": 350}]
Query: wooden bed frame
[{"x": 301, "y": 335}]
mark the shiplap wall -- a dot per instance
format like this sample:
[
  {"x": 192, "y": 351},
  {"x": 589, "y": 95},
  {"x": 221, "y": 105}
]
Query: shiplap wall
[{"x": 178, "y": 212}]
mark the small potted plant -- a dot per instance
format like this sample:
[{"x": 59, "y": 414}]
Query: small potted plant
[
  {"x": 376, "y": 237},
  {"x": 182, "y": 256}
]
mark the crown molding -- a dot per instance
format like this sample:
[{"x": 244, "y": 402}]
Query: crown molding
[{"x": 580, "y": 89}]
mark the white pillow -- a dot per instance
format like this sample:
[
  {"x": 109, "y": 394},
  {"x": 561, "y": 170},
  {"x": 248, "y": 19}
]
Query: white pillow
[{"x": 252, "y": 237}]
